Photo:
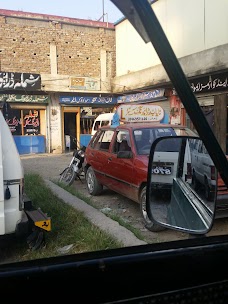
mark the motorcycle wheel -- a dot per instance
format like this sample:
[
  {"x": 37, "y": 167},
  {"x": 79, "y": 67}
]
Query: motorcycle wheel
[{"x": 68, "y": 176}]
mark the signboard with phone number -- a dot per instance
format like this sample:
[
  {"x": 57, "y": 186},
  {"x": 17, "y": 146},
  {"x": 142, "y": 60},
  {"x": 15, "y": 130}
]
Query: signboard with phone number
[{"x": 140, "y": 113}]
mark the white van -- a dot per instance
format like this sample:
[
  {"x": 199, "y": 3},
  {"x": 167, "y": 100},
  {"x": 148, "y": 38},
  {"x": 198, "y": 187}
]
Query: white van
[
  {"x": 17, "y": 214},
  {"x": 102, "y": 120},
  {"x": 12, "y": 217}
]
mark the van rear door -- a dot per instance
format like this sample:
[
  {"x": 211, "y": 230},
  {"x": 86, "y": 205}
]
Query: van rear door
[
  {"x": 2, "y": 214},
  {"x": 12, "y": 175}
]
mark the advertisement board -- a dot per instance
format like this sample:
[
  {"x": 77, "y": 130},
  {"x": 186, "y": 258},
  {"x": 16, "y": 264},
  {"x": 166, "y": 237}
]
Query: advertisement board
[{"x": 140, "y": 113}]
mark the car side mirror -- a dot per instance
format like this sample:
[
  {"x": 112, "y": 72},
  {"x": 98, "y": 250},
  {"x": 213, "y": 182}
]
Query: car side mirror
[{"x": 182, "y": 185}]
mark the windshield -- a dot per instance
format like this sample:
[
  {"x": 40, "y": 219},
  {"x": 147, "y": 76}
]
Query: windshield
[
  {"x": 68, "y": 68},
  {"x": 145, "y": 137}
]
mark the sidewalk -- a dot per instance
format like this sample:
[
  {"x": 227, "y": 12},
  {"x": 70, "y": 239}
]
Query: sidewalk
[{"x": 126, "y": 237}]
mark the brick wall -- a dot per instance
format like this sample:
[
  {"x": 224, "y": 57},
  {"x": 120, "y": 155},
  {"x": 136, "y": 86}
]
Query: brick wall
[{"x": 25, "y": 47}]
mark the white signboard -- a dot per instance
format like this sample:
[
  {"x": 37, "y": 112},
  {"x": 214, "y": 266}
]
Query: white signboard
[{"x": 140, "y": 113}]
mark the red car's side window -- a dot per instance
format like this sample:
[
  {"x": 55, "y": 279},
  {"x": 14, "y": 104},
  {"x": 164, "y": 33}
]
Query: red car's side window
[
  {"x": 94, "y": 139},
  {"x": 104, "y": 140},
  {"x": 122, "y": 141}
]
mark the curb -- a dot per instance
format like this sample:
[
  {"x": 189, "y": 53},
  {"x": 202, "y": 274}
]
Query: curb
[{"x": 122, "y": 234}]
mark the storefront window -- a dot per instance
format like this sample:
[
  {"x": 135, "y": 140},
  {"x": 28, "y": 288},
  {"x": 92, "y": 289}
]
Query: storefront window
[
  {"x": 14, "y": 121},
  {"x": 24, "y": 122},
  {"x": 31, "y": 122}
]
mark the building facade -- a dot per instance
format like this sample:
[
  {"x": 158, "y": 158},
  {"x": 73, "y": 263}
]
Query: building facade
[
  {"x": 198, "y": 33},
  {"x": 57, "y": 72}
]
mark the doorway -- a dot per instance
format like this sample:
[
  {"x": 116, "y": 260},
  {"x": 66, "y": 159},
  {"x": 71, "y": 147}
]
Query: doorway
[{"x": 70, "y": 130}]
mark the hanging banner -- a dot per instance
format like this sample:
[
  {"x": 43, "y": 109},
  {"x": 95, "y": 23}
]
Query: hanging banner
[{"x": 140, "y": 113}]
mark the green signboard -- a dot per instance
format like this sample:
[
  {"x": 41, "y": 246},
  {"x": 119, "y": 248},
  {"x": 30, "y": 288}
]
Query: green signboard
[{"x": 24, "y": 98}]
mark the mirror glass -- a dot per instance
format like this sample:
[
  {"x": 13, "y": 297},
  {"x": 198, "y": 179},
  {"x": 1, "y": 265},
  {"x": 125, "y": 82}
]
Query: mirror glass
[{"x": 182, "y": 184}]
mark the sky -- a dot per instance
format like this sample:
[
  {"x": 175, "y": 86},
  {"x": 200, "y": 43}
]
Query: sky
[{"x": 85, "y": 9}]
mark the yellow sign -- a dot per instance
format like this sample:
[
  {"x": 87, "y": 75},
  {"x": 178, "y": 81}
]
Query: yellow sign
[
  {"x": 77, "y": 82},
  {"x": 45, "y": 224},
  {"x": 84, "y": 83}
]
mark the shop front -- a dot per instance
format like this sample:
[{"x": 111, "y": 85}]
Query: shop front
[
  {"x": 24, "y": 111},
  {"x": 212, "y": 94},
  {"x": 78, "y": 115},
  {"x": 26, "y": 118}
]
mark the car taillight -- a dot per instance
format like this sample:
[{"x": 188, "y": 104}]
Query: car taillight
[{"x": 212, "y": 172}]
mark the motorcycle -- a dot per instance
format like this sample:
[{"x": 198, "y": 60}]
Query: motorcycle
[{"x": 75, "y": 169}]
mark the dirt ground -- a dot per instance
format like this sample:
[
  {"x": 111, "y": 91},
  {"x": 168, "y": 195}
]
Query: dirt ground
[{"x": 49, "y": 166}]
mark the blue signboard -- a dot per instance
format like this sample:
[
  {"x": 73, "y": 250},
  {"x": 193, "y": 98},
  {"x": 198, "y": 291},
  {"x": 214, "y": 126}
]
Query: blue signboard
[
  {"x": 87, "y": 100},
  {"x": 144, "y": 96}
]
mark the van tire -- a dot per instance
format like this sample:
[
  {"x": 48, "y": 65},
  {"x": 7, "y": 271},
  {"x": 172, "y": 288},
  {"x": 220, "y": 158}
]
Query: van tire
[
  {"x": 93, "y": 186},
  {"x": 150, "y": 225}
]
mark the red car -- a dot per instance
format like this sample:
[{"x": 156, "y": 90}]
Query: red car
[{"x": 117, "y": 157}]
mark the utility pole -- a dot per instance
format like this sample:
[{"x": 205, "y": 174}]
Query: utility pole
[{"x": 103, "y": 10}]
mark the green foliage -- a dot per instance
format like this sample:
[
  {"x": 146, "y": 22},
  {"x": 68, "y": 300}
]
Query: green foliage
[
  {"x": 69, "y": 227},
  {"x": 111, "y": 214}
]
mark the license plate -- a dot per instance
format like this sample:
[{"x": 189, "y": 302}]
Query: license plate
[{"x": 161, "y": 170}]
